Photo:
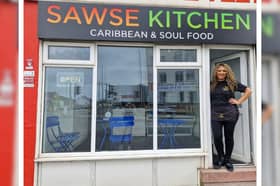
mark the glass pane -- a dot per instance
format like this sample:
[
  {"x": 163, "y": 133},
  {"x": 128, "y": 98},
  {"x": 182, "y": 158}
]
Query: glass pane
[
  {"x": 67, "y": 110},
  {"x": 178, "y": 55},
  {"x": 162, "y": 77},
  {"x": 125, "y": 89},
  {"x": 67, "y": 52},
  {"x": 178, "y": 110}
]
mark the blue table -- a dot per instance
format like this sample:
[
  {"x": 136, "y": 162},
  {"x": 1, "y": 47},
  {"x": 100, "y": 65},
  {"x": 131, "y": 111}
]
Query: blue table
[{"x": 168, "y": 127}]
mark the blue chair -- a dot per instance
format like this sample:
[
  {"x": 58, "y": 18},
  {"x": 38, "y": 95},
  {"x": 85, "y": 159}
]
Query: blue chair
[
  {"x": 121, "y": 130},
  {"x": 59, "y": 140},
  {"x": 103, "y": 122}
]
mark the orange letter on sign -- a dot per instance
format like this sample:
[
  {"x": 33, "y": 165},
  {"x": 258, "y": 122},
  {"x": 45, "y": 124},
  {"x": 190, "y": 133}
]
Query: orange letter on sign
[
  {"x": 57, "y": 15},
  {"x": 95, "y": 13},
  {"x": 129, "y": 17},
  {"x": 117, "y": 17},
  {"x": 243, "y": 1},
  {"x": 75, "y": 16}
]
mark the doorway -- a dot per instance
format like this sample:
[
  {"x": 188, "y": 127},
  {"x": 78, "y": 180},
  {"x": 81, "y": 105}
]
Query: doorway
[{"x": 238, "y": 61}]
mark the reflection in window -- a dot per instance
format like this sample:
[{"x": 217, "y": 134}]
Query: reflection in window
[
  {"x": 162, "y": 77},
  {"x": 67, "y": 52},
  {"x": 162, "y": 97},
  {"x": 190, "y": 75},
  {"x": 181, "y": 97},
  {"x": 178, "y": 114},
  {"x": 124, "y": 93},
  {"x": 178, "y": 55},
  {"x": 179, "y": 76},
  {"x": 67, "y": 110}
]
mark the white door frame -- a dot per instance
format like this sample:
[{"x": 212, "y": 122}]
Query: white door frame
[{"x": 252, "y": 103}]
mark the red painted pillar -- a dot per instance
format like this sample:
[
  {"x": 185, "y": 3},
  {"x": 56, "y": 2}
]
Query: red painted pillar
[
  {"x": 31, "y": 51},
  {"x": 8, "y": 87}
]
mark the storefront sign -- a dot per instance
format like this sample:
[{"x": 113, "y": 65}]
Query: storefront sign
[
  {"x": 270, "y": 33},
  {"x": 80, "y": 21}
]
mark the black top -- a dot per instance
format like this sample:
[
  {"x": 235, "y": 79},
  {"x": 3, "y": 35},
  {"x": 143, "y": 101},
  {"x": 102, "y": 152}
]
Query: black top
[
  {"x": 222, "y": 93},
  {"x": 264, "y": 106}
]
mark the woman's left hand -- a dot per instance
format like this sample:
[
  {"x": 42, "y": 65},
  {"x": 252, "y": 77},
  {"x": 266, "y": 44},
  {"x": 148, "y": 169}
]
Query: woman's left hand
[
  {"x": 234, "y": 101},
  {"x": 244, "y": 97}
]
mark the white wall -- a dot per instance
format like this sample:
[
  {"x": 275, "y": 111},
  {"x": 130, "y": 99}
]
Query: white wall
[
  {"x": 270, "y": 129},
  {"x": 179, "y": 3},
  {"x": 129, "y": 172}
]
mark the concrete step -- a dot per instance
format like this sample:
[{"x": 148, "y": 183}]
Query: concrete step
[
  {"x": 241, "y": 176},
  {"x": 231, "y": 184}
]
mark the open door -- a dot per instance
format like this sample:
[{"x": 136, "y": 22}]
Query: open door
[{"x": 242, "y": 146}]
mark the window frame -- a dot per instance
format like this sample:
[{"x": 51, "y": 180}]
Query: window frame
[
  {"x": 93, "y": 154},
  {"x": 179, "y": 64},
  {"x": 201, "y": 101},
  {"x": 119, "y": 44},
  {"x": 58, "y": 63},
  {"x": 43, "y": 104},
  {"x": 46, "y": 60}
]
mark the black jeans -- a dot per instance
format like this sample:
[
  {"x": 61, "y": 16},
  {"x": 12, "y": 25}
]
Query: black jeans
[{"x": 217, "y": 127}]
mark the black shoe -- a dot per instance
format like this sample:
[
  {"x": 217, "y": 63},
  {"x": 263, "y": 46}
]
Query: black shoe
[
  {"x": 218, "y": 164},
  {"x": 229, "y": 166}
]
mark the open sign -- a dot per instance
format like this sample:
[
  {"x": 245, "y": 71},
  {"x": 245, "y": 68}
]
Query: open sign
[{"x": 70, "y": 78}]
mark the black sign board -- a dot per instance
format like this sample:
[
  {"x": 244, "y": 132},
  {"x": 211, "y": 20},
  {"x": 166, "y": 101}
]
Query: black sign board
[
  {"x": 270, "y": 33},
  {"x": 99, "y": 22}
]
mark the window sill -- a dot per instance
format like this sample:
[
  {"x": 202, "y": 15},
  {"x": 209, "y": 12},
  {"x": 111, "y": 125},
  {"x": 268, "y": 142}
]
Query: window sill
[{"x": 117, "y": 155}]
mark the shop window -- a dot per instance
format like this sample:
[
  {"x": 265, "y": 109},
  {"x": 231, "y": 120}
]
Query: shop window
[
  {"x": 69, "y": 52},
  {"x": 124, "y": 98},
  {"x": 178, "y": 55},
  {"x": 67, "y": 110},
  {"x": 179, "y": 119}
]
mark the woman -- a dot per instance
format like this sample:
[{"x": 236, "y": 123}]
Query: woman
[
  {"x": 224, "y": 111},
  {"x": 266, "y": 112}
]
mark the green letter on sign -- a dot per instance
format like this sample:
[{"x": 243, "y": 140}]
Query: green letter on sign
[
  {"x": 246, "y": 23},
  {"x": 224, "y": 21},
  {"x": 268, "y": 26},
  {"x": 154, "y": 18},
  {"x": 207, "y": 20},
  {"x": 179, "y": 17},
  {"x": 190, "y": 22}
]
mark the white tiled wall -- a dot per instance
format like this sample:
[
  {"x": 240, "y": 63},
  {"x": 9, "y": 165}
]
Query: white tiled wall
[{"x": 128, "y": 172}]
